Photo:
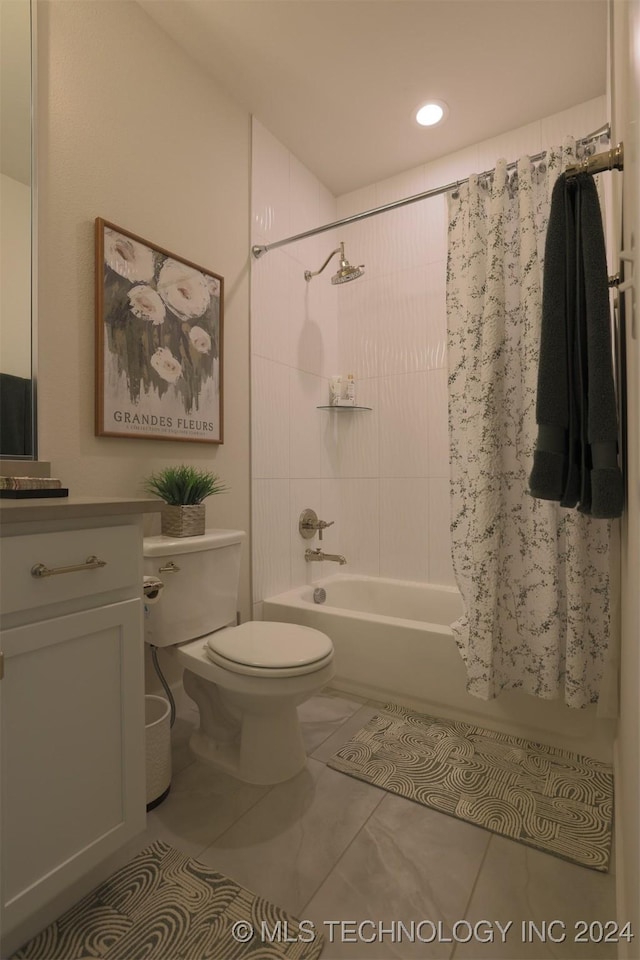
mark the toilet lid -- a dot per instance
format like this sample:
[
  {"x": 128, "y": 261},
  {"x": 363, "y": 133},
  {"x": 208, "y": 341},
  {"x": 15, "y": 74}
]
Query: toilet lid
[{"x": 261, "y": 643}]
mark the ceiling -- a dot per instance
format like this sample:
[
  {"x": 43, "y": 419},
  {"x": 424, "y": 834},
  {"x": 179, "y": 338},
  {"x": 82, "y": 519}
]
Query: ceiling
[{"x": 338, "y": 81}]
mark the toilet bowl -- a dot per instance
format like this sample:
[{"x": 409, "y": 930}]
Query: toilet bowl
[
  {"x": 246, "y": 680},
  {"x": 249, "y": 723}
]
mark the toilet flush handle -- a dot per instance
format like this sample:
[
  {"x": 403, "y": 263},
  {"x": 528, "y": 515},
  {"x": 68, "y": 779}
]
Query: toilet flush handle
[{"x": 169, "y": 567}]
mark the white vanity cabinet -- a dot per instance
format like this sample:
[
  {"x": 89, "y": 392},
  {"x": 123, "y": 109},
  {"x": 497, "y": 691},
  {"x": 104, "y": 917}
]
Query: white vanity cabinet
[{"x": 72, "y": 749}]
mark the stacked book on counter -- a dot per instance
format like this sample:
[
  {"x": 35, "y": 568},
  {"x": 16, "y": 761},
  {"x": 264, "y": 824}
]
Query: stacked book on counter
[{"x": 23, "y": 488}]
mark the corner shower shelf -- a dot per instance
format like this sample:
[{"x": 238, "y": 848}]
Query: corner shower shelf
[{"x": 336, "y": 406}]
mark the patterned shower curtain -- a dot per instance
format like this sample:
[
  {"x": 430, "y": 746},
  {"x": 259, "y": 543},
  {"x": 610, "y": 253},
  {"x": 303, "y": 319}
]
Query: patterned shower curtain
[{"x": 534, "y": 577}]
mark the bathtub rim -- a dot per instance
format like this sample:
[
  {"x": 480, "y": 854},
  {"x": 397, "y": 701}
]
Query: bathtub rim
[{"x": 293, "y": 598}]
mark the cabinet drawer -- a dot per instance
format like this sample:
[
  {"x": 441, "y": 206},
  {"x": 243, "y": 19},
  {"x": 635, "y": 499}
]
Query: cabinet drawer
[{"x": 120, "y": 547}]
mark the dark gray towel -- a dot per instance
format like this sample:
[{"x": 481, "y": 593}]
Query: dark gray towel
[{"x": 575, "y": 461}]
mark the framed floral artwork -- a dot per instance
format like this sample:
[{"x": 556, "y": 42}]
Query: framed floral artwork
[{"x": 158, "y": 342}]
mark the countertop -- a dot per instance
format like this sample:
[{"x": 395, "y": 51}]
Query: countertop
[{"x": 70, "y": 508}]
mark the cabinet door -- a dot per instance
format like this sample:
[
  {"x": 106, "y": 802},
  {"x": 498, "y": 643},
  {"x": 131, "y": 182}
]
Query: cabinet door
[{"x": 72, "y": 752}]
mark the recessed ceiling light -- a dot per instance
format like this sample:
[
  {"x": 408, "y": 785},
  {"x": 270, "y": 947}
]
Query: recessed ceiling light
[{"x": 431, "y": 113}]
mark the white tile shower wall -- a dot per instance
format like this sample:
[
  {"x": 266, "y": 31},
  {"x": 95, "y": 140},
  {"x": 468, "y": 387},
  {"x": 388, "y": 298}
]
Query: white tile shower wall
[
  {"x": 270, "y": 537},
  {"x": 270, "y": 418},
  {"x": 293, "y": 353},
  {"x": 355, "y": 506},
  {"x": 404, "y": 425},
  {"x": 307, "y": 391},
  {"x": 270, "y": 187},
  {"x": 392, "y": 334},
  {"x": 404, "y": 528},
  {"x": 381, "y": 475},
  {"x": 302, "y": 494},
  {"x": 350, "y": 437}
]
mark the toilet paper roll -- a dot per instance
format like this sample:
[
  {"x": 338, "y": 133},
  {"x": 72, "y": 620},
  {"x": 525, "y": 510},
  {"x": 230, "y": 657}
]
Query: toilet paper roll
[{"x": 152, "y": 588}]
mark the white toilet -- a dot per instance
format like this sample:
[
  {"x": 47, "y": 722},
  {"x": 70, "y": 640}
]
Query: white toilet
[{"x": 247, "y": 680}]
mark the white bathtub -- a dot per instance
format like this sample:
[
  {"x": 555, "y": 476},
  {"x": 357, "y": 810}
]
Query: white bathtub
[{"x": 393, "y": 641}]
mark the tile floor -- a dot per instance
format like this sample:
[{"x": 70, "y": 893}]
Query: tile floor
[{"x": 337, "y": 852}]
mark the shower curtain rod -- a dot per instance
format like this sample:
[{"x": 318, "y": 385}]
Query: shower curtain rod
[{"x": 259, "y": 249}]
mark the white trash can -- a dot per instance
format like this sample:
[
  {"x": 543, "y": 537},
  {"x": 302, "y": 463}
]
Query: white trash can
[{"x": 157, "y": 720}]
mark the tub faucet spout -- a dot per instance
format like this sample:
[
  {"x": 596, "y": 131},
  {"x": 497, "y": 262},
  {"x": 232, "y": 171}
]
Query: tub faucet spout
[{"x": 312, "y": 555}]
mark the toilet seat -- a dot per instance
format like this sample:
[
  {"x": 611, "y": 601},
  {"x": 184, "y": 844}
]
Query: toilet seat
[{"x": 264, "y": 648}]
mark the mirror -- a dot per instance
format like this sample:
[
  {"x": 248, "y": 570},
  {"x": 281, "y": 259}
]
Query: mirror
[{"x": 17, "y": 374}]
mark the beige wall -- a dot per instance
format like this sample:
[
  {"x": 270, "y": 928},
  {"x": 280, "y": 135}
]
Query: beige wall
[{"x": 130, "y": 130}]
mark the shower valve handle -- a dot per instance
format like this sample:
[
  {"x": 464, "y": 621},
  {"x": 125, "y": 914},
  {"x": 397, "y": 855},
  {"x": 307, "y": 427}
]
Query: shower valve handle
[
  {"x": 309, "y": 523},
  {"x": 322, "y": 525}
]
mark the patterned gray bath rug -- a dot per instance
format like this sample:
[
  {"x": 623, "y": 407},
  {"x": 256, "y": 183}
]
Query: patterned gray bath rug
[
  {"x": 542, "y": 796},
  {"x": 165, "y": 906}
]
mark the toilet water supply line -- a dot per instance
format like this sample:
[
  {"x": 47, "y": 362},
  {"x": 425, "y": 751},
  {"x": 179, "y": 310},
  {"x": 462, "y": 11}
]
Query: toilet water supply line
[
  {"x": 151, "y": 589},
  {"x": 163, "y": 681}
]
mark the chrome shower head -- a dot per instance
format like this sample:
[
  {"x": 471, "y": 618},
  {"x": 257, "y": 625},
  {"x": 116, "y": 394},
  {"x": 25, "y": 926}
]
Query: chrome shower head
[{"x": 345, "y": 273}]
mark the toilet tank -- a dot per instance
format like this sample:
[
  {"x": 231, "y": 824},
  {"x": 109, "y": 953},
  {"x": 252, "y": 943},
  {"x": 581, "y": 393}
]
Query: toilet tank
[{"x": 200, "y": 576}]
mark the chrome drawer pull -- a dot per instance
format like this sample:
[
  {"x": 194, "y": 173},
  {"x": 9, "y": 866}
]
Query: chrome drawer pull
[{"x": 91, "y": 563}]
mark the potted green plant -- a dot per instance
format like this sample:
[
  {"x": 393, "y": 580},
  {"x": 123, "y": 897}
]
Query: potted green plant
[{"x": 183, "y": 490}]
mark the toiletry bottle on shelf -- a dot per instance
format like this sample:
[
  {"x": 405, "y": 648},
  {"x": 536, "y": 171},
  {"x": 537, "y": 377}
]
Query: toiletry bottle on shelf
[
  {"x": 335, "y": 391},
  {"x": 351, "y": 390}
]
